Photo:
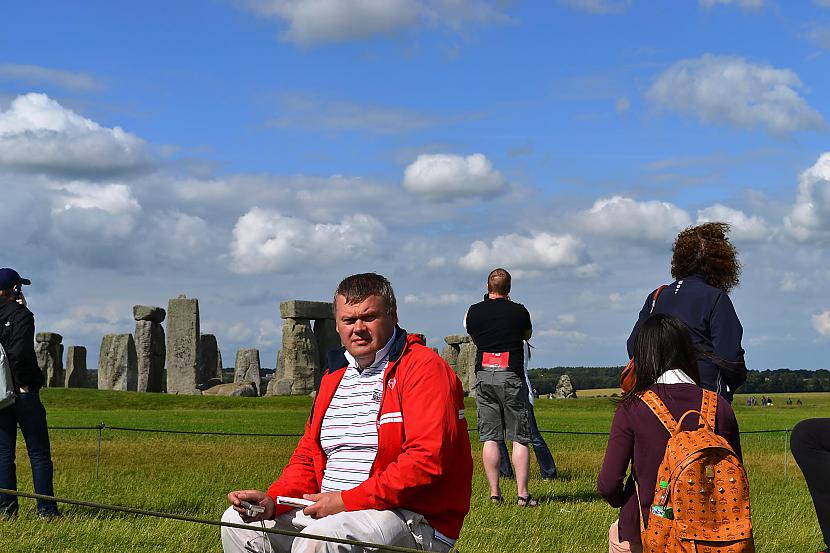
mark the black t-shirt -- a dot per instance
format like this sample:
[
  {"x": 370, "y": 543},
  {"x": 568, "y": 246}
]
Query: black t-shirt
[{"x": 498, "y": 326}]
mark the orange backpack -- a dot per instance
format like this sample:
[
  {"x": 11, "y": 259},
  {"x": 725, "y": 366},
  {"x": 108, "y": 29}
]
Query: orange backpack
[{"x": 701, "y": 499}]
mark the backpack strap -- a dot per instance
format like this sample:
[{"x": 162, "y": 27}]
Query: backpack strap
[
  {"x": 655, "y": 295},
  {"x": 660, "y": 410},
  {"x": 708, "y": 409}
]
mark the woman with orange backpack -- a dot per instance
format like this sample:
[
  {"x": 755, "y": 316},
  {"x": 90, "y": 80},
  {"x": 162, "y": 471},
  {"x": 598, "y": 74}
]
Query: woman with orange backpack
[{"x": 666, "y": 388}]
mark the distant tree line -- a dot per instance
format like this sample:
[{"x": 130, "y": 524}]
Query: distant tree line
[{"x": 760, "y": 382}]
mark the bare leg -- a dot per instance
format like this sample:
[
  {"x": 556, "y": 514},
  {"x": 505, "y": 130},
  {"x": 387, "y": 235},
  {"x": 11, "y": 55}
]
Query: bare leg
[
  {"x": 521, "y": 466},
  {"x": 491, "y": 456}
]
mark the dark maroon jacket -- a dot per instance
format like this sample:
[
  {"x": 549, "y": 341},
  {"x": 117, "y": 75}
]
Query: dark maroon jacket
[{"x": 638, "y": 434}]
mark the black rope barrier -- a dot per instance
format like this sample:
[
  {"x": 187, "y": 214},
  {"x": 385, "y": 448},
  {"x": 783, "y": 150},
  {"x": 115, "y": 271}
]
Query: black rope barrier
[
  {"x": 203, "y": 432},
  {"x": 287, "y": 435},
  {"x": 185, "y": 518}
]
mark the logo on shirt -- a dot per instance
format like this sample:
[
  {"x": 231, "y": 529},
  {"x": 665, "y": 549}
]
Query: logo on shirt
[
  {"x": 392, "y": 384},
  {"x": 376, "y": 395}
]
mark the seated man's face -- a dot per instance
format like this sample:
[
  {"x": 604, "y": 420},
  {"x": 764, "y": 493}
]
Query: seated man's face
[{"x": 364, "y": 327}]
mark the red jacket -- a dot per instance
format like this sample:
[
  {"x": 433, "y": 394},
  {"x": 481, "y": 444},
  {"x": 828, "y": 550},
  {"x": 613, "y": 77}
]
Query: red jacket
[{"x": 423, "y": 463}]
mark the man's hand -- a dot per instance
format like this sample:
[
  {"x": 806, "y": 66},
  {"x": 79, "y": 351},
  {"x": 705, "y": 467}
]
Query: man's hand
[
  {"x": 20, "y": 298},
  {"x": 252, "y": 496},
  {"x": 325, "y": 504}
]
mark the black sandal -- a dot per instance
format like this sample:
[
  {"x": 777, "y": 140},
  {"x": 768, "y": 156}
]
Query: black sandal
[
  {"x": 496, "y": 499},
  {"x": 527, "y": 501}
]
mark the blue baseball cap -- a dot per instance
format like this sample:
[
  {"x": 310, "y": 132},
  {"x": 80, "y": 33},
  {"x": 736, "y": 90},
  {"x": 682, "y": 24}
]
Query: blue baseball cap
[{"x": 9, "y": 278}]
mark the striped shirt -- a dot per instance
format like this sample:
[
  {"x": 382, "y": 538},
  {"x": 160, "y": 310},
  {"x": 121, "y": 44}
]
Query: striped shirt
[{"x": 349, "y": 432}]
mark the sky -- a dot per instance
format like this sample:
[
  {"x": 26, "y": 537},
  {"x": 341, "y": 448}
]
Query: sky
[{"x": 247, "y": 152}]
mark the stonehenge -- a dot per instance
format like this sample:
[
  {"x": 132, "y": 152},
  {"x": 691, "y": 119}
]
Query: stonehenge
[
  {"x": 49, "y": 352},
  {"x": 183, "y": 341},
  {"x": 150, "y": 348},
  {"x": 302, "y": 358},
  {"x": 247, "y": 368},
  {"x": 118, "y": 363},
  {"x": 76, "y": 371},
  {"x": 210, "y": 359},
  {"x": 564, "y": 388},
  {"x": 460, "y": 354}
]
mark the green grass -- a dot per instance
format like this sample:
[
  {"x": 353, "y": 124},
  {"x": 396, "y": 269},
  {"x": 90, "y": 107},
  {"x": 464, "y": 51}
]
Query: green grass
[{"x": 191, "y": 475}]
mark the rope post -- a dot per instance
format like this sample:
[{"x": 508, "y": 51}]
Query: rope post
[
  {"x": 786, "y": 456},
  {"x": 100, "y": 427}
]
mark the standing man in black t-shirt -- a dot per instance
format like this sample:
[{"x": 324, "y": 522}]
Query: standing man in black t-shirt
[{"x": 499, "y": 327}]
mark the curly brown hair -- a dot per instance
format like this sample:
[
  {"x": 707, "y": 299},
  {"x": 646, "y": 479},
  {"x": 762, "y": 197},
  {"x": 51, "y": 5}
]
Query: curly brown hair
[{"x": 706, "y": 250}]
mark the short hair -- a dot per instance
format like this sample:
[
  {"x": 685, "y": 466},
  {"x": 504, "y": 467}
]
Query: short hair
[
  {"x": 705, "y": 249},
  {"x": 498, "y": 282},
  {"x": 357, "y": 288}
]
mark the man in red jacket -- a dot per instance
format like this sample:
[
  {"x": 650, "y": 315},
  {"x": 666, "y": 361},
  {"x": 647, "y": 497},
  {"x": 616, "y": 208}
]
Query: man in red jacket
[{"x": 385, "y": 457}]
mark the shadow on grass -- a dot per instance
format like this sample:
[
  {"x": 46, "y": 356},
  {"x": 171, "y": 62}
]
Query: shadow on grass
[{"x": 578, "y": 497}]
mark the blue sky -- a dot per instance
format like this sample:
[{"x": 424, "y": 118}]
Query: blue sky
[{"x": 246, "y": 152}]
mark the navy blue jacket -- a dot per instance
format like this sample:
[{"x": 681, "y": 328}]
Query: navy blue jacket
[
  {"x": 713, "y": 326},
  {"x": 17, "y": 334}
]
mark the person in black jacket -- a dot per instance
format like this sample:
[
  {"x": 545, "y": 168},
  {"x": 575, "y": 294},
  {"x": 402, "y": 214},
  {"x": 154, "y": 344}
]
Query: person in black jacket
[
  {"x": 17, "y": 334},
  {"x": 705, "y": 267}
]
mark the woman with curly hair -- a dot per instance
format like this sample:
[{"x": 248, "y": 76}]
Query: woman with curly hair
[{"x": 705, "y": 267}]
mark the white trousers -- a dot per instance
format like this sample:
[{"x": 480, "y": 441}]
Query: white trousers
[{"x": 396, "y": 527}]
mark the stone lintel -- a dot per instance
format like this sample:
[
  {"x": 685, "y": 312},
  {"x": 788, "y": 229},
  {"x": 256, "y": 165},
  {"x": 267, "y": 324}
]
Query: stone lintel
[{"x": 300, "y": 309}]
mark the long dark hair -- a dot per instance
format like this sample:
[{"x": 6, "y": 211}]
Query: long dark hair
[{"x": 662, "y": 344}]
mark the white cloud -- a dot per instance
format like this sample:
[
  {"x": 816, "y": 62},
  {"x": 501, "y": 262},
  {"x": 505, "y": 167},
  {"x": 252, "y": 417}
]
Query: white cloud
[
  {"x": 818, "y": 34},
  {"x": 746, "y": 4},
  {"x": 600, "y": 7},
  {"x": 744, "y": 227},
  {"x": 316, "y": 21},
  {"x": 266, "y": 241},
  {"x": 86, "y": 216},
  {"x": 792, "y": 282},
  {"x": 37, "y": 75},
  {"x": 38, "y": 134},
  {"x": 821, "y": 323},
  {"x": 810, "y": 215},
  {"x": 540, "y": 251},
  {"x": 623, "y": 104},
  {"x": 730, "y": 90},
  {"x": 628, "y": 219},
  {"x": 269, "y": 334},
  {"x": 566, "y": 319},
  {"x": 108, "y": 317},
  {"x": 566, "y": 335},
  {"x": 433, "y": 299},
  {"x": 306, "y": 111},
  {"x": 116, "y": 199},
  {"x": 447, "y": 176}
]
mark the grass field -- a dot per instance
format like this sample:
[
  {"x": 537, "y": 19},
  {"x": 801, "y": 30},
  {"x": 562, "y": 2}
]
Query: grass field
[{"x": 190, "y": 475}]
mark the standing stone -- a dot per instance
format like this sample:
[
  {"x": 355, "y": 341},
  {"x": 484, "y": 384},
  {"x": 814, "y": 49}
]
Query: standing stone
[
  {"x": 298, "y": 361},
  {"x": 564, "y": 388},
  {"x": 183, "y": 339},
  {"x": 450, "y": 355},
  {"x": 210, "y": 359},
  {"x": 49, "y": 352},
  {"x": 325, "y": 334},
  {"x": 466, "y": 365},
  {"x": 460, "y": 354},
  {"x": 76, "y": 372},
  {"x": 151, "y": 354},
  {"x": 247, "y": 367},
  {"x": 118, "y": 363}
]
